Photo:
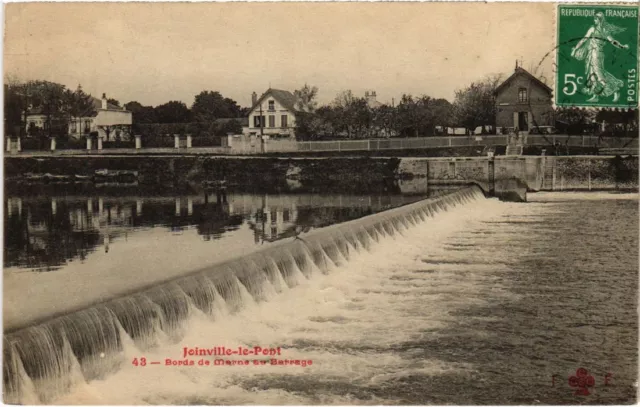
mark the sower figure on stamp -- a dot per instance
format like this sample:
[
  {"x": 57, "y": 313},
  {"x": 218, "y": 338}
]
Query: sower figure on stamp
[{"x": 591, "y": 49}]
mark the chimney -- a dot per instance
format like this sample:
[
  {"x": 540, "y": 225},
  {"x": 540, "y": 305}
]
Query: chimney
[
  {"x": 370, "y": 96},
  {"x": 104, "y": 101},
  {"x": 254, "y": 98}
]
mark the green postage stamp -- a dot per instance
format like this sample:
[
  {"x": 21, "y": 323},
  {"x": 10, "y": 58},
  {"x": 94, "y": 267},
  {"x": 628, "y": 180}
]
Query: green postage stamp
[{"x": 597, "y": 56}]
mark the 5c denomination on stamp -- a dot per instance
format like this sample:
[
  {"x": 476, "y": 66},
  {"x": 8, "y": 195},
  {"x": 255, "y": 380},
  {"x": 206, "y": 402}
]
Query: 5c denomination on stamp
[{"x": 597, "y": 56}]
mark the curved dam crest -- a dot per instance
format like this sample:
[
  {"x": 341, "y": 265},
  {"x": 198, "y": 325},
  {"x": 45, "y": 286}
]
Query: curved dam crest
[{"x": 41, "y": 362}]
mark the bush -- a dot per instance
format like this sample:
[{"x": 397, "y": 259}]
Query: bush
[
  {"x": 158, "y": 141},
  {"x": 31, "y": 143},
  {"x": 196, "y": 129},
  {"x": 119, "y": 144},
  {"x": 71, "y": 144},
  {"x": 206, "y": 141}
]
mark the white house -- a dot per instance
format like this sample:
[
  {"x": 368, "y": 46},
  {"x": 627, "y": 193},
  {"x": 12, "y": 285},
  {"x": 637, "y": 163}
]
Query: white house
[
  {"x": 273, "y": 114},
  {"x": 108, "y": 116}
]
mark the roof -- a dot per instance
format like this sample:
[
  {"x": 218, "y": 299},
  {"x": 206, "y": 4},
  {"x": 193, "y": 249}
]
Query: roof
[
  {"x": 97, "y": 104},
  {"x": 374, "y": 104},
  {"x": 284, "y": 97},
  {"x": 520, "y": 71}
]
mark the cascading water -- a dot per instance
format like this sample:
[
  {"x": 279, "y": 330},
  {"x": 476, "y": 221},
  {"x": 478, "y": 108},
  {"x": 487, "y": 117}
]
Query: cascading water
[{"x": 43, "y": 361}]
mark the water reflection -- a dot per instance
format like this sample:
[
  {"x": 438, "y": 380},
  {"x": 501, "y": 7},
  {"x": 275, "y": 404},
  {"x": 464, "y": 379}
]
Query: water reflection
[{"x": 45, "y": 233}]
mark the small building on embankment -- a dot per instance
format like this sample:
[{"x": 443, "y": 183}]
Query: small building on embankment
[{"x": 523, "y": 101}]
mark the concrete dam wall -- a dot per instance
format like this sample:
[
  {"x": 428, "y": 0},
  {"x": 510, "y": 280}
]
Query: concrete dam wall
[{"x": 537, "y": 173}]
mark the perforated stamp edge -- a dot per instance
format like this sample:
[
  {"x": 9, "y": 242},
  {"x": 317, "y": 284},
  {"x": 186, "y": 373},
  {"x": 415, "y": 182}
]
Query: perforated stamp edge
[{"x": 554, "y": 55}]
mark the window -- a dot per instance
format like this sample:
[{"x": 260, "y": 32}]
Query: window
[
  {"x": 272, "y": 105},
  {"x": 272, "y": 121},
  {"x": 257, "y": 122},
  {"x": 522, "y": 95},
  {"x": 283, "y": 120}
]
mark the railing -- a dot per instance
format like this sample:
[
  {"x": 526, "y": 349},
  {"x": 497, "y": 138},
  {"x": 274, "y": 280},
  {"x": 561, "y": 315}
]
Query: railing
[
  {"x": 582, "y": 141},
  {"x": 398, "y": 144},
  {"x": 167, "y": 144}
]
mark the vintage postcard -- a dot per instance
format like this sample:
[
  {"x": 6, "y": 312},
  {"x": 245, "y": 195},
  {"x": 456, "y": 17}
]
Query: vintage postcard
[{"x": 356, "y": 203}]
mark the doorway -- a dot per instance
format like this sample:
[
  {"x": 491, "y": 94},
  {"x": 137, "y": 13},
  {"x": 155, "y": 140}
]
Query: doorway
[{"x": 523, "y": 121}]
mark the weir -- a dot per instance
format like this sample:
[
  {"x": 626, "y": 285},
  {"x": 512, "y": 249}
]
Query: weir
[{"x": 43, "y": 361}]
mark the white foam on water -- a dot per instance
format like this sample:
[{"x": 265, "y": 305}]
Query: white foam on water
[{"x": 349, "y": 323}]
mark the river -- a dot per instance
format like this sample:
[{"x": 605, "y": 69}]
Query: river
[{"x": 485, "y": 303}]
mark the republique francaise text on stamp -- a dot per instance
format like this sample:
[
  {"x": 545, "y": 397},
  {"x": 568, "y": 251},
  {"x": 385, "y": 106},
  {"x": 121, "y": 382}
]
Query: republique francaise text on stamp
[{"x": 597, "y": 56}]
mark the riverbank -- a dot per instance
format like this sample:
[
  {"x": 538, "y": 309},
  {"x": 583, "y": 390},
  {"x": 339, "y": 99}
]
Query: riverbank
[{"x": 289, "y": 174}]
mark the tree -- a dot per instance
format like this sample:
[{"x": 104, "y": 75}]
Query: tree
[
  {"x": 224, "y": 127},
  {"x": 234, "y": 108},
  {"x": 141, "y": 114},
  {"x": 383, "y": 118},
  {"x": 78, "y": 104},
  {"x": 113, "y": 102},
  {"x": 49, "y": 99},
  {"x": 304, "y": 130},
  {"x": 325, "y": 123},
  {"x": 475, "y": 105},
  {"x": 209, "y": 106},
  {"x": 358, "y": 118},
  {"x": 415, "y": 116},
  {"x": 15, "y": 107},
  {"x": 343, "y": 99},
  {"x": 574, "y": 121},
  {"x": 350, "y": 115},
  {"x": 306, "y": 98},
  {"x": 443, "y": 113},
  {"x": 619, "y": 123},
  {"x": 172, "y": 112}
]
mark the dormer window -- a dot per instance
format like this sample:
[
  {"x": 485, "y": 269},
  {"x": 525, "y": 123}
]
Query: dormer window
[
  {"x": 522, "y": 95},
  {"x": 272, "y": 105}
]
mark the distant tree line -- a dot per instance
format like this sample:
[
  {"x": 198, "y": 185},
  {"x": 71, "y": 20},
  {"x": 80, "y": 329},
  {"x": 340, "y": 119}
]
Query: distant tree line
[
  {"x": 473, "y": 107},
  {"x": 352, "y": 117}
]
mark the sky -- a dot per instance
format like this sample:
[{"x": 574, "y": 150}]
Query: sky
[{"x": 156, "y": 52}]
